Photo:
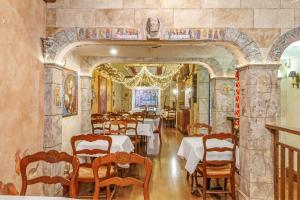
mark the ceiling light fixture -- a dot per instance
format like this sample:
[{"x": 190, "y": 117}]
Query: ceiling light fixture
[{"x": 113, "y": 51}]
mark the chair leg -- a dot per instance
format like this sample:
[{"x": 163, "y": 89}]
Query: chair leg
[
  {"x": 192, "y": 182},
  {"x": 225, "y": 183},
  {"x": 160, "y": 141},
  {"x": 187, "y": 175},
  {"x": 204, "y": 188},
  {"x": 108, "y": 192},
  {"x": 232, "y": 185},
  {"x": 196, "y": 180},
  {"x": 96, "y": 192}
]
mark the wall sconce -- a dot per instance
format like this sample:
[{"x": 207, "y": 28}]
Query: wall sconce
[{"x": 296, "y": 78}]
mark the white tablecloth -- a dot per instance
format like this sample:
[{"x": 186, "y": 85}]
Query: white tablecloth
[
  {"x": 143, "y": 129},
  {"x": 154, "y": 122},
  {"x": 191, "y": 149},
  {"x": 147, "y": 130},
  {"x": 119, "y": 143}
]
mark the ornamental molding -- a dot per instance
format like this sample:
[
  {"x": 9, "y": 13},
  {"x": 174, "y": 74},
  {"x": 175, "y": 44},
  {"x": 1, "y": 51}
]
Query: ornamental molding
[{"x": 52, "y": 47}]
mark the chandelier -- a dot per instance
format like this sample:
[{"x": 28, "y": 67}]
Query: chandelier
[{"x": 144, "y": 78}]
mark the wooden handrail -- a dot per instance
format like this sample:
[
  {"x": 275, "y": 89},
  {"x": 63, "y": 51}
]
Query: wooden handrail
[
  {"x": 280, "y": 149},
  {"x": 275, "y": 127}
]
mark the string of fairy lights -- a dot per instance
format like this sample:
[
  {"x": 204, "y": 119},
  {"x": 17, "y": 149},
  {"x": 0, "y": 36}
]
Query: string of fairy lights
[{"x": 144, "y": 78}]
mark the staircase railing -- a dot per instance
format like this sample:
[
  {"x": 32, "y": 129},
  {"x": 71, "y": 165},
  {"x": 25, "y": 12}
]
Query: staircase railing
[{"x": 284, "y": 173}]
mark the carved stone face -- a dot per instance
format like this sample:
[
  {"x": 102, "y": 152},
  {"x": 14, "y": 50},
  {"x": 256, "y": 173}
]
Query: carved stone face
[{"x": 154, "y": 24}]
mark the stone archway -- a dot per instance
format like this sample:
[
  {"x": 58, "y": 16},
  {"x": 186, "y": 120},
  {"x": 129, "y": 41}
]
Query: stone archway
[
  {"x": 211, "y": 64},
  {"x": 282, "y": 43},
  {"x": 54, "y": 48}
]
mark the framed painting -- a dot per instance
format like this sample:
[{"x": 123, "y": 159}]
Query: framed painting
[
  {"x": 70, "y": 93},
  {"x": 145, "y": 96}
]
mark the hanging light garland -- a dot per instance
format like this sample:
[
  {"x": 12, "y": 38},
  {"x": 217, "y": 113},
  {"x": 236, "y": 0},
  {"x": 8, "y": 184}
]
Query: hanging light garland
[{"x": 144, "y": 78}]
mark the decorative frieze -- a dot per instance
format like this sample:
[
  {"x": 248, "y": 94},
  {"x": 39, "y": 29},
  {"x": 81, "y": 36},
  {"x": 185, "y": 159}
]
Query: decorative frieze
[
  {"x": 282, "y": 43},
  {"x": 52, "y": 46}
]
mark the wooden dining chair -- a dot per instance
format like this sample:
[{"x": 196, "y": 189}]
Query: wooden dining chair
[
  {"x": 140, "y": 116},
  {"x": 8, "y": 189},
  {"x": 132, "y": 132},
  {"x": 158, "y": 130},
  {"x": 99, "y": 125},
  {"x": 217, "y": 169},
  {"x": 113, "y": 116},
  {"x": 50, "y": 157},
  {"x": 117, "y": 127},
  {"x": 170, "y": 117},
  {"x": 122, "y": 158},
  {"x": 96, "y": 116},
  {"x": 196, "y": 128},
  {"x": 85, "y": 172},
  {"x": 194, "y": 131}
]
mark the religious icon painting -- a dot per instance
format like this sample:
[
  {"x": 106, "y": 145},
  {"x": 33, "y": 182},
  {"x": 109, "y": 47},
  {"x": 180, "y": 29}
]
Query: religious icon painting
[{"x": 70, "y": 93}]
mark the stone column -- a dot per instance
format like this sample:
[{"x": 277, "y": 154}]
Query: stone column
[
  {"x": 86, "y": 96},
  {"x": 258, "y": 105},
  {"x": 53, "y": 121},
  {"x": 222, "y": 93},
  {"x": 203, "y": 95}
]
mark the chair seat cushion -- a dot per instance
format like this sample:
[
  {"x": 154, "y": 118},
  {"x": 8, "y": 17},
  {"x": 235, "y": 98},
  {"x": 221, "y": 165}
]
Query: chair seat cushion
[
  {"x": 216, "y": 170},
  {"x": 87, "y": 172}
]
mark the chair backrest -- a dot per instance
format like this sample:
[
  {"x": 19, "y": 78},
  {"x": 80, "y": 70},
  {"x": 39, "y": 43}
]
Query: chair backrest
[
  {"x": 117, "y": 127},
  {"x": 49, "y": 157},
  {"x": 151, "y": 114},
  {"x": 96, "y": 116},
  {"x": 122, "y": 158},
  {"x": 171, "y": 114},
  {"x": 99, "y": 124},
  {"x": 90, "y": 138},
  {"x": 194, "y": 129},
  {"x": 132, "y": 123},
  {"x": 140, "y": 116},
  {"x": 207, "y": 150}
]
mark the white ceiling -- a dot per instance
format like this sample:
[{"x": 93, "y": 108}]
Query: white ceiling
[
  {"x": 157, "y": 51},
  {"x": 224, "y": 59}
]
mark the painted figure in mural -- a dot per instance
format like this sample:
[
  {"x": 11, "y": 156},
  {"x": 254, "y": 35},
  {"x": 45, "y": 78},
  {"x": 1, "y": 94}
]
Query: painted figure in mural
[
  {"x": 70, "y": 95},
  {"x": 153, "y": 28}
]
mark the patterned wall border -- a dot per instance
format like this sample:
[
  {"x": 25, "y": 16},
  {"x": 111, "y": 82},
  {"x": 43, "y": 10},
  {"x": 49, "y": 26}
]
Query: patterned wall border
[
  {"x": 282, "y": 43},
  {"x": 53, "y": 46}
]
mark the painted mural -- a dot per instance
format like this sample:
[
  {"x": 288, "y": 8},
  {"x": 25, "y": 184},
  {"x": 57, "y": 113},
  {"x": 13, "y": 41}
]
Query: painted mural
[
  {"x": 194, "y": 34},
  {"x": 70, "y": 93},
  {"x": 125, "y": 34},
  {"x": 146, "y": 97}
]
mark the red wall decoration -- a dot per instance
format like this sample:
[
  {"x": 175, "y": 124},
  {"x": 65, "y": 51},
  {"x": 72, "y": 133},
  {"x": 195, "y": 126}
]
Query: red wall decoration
[{"x": 237, "y": 99}]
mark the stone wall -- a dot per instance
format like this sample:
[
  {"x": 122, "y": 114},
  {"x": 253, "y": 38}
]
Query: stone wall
[
  {"x": 117, "y": 96},
  {"x": 203, "y": 95},
  {"x": 258, "y": 105},
  {"x": 71, "y": 125},
  {"x": 263, "y": 20},
  {"x": 222, "y": 92},
  {"x": 22, "y": 86}
]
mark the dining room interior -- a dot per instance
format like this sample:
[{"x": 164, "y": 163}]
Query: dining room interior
[{"x": 150, "y": 99}]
